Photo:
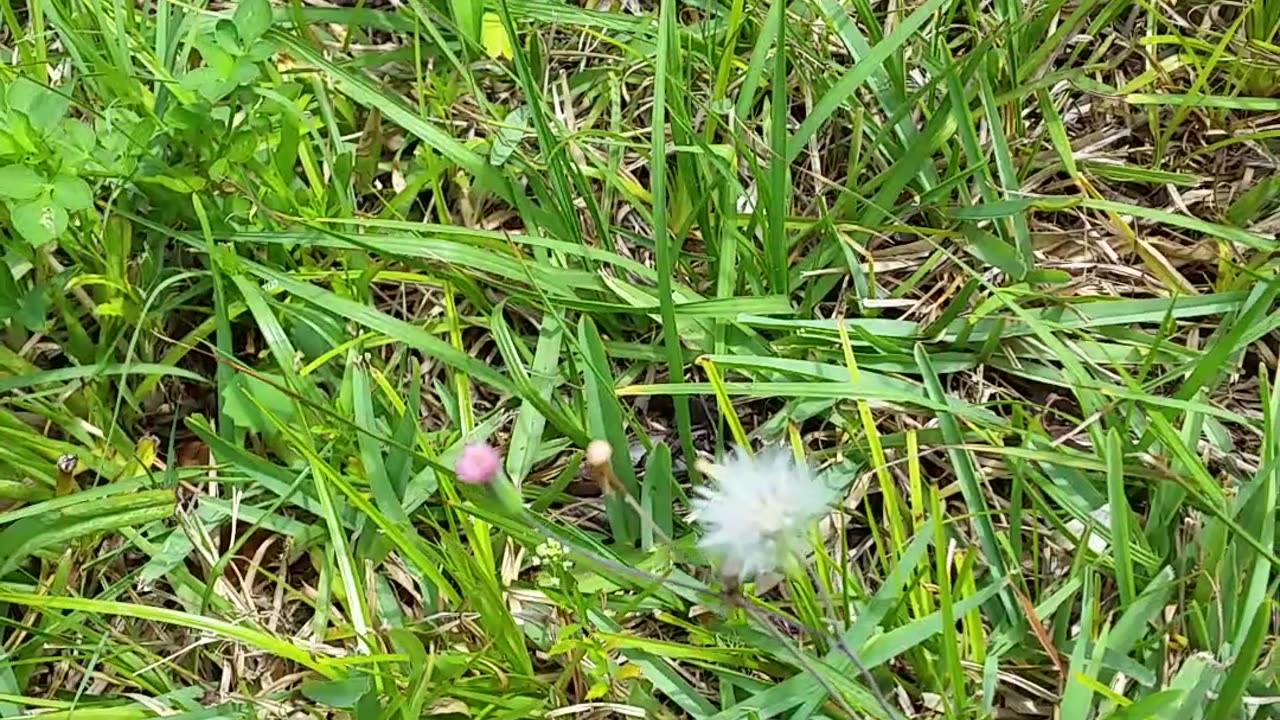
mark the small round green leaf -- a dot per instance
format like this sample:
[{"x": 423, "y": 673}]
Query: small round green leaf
[
  {"x": 43, "y": 106},
  {"x": 40, "y": 221},
  {"x": 72, "y": 193},
  {"x": 224, "y": 34},
  {"x": 34, "y": 308},
  {"x": 19, "y": 182},
  {"x": 252, "y": 19},
  {"x": 75, "y": 142},
  {"x": 7, "y": 144}
]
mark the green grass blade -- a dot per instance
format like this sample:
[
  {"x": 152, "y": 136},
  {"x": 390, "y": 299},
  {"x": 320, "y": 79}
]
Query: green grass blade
[
  {"x": 237, "y": 632},
  {"x": 975, "y": 499},
  {"x": 1120, "y": 514},
  {"x": 667, "y": 254},
  {"x": 854, "y": 77}
]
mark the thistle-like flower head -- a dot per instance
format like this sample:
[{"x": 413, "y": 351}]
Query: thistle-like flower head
[
  {"x": 477, "y": 464},
  {"x": 757, "y": 510}
]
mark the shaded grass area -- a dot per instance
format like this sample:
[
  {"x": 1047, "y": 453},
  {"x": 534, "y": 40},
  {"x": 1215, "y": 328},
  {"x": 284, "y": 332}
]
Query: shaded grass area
[{"x": 1004, "y": 272}]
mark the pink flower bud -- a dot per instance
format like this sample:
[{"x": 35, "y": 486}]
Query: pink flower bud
[{"x": 477, "y": 464}]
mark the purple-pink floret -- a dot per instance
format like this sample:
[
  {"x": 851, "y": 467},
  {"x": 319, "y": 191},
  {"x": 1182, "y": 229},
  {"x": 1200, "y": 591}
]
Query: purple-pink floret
[{"x": 477, "y": 464}]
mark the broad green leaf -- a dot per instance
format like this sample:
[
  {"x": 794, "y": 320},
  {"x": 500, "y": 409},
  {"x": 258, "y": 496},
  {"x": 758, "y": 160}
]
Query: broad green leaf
[
  {"x": 205, "y": 81},
  {"x": 72, "y": 193},
  {"x": 1120, "y": 518},
  {"x": 35, "y": 306},
  {"x": 494, "y": 37},
  {"x": 252, "y": 20},
  {"x": 467, "y": 14},
  {"x": 175, "y": 549},
  {"x": 372, "y": 452},
  {"x": 76, "y": 141},
  {"x": 1136, "y": 619},
  {"x": 40, "y": 221},
  {"x": 225, "y": 35},
  {"x": 893, "y": 643},
  {"x": 510, "y": 134},
  {"x": 336, "y": 693},
  {"x": 43, "y": 106},
  {"x": 19, "y": 182}
]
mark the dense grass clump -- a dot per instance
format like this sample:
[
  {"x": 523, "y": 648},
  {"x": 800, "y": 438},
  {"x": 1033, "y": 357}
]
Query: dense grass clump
[{"x": 368, "y": 360}]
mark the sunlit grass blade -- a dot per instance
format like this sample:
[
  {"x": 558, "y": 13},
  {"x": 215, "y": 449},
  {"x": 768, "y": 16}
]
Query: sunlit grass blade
[{"x": 237, "y": 632}]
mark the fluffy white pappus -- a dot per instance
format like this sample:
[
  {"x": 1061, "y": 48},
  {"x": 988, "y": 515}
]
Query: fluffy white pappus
[{"x": 757, "y": 510}]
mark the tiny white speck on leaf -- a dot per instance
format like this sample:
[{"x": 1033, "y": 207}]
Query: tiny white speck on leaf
[{"x": 757, "y": 510}]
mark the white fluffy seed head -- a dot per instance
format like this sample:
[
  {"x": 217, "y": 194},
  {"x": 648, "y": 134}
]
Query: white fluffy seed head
[{"x": 756, "y": 511}]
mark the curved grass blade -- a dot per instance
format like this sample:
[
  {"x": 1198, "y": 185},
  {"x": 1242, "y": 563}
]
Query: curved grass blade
[{"x": 249, "y": 636}]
